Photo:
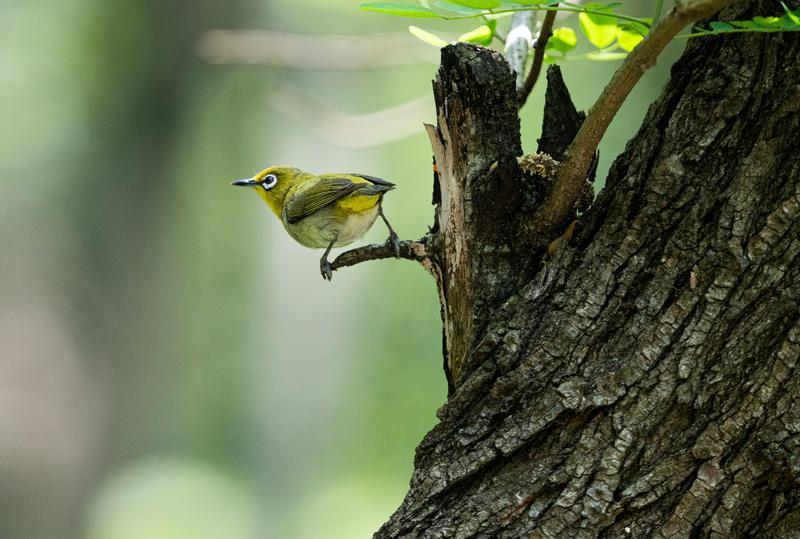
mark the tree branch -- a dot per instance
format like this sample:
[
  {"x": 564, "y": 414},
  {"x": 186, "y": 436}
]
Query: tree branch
[
  {"x": 538, "y": 57},
  {"x": 416, "y": 250},
  {"x": 556, "y": 209}
]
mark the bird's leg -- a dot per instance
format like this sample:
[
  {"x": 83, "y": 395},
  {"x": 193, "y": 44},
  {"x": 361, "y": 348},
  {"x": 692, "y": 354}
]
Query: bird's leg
[
  {"x": 392, "y": 234},
  {"x": 324, "y": 265}
]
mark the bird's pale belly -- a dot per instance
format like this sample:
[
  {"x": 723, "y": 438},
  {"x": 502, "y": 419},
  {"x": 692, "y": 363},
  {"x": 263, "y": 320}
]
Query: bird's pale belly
[{"x": 317, "y": 230}]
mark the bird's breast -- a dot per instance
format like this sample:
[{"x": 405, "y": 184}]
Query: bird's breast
[
  {"x": 320, "y": 228},
  {"x": 356, "y": 225}
]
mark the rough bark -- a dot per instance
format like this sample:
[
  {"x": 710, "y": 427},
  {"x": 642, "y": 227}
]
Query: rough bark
[
  {"x": 643, "y": 381},
  {"x": 476, "y": 145}
]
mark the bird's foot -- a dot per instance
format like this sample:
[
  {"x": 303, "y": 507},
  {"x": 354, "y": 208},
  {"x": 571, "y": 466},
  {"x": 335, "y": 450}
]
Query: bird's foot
[
  {"x": 395, "y": 241},
  {"x": 325, "y": 269}
]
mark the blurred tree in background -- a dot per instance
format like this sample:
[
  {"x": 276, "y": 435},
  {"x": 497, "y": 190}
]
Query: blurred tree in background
[{"x": 172, "y": 365}]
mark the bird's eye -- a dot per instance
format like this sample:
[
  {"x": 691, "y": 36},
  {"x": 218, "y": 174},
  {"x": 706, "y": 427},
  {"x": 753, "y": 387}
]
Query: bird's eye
[{"x": 269, "y": 181}]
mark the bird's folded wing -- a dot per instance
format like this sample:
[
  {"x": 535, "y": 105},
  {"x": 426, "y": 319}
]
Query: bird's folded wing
[{"x": 322, "y": 193}]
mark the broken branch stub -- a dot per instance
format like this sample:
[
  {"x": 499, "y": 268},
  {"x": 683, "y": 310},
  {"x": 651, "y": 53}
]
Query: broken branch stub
[{"x": 476, "y": 143}]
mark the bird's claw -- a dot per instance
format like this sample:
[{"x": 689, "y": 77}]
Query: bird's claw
[
  {"x": 395, "y": 241},
  {"x": 326, "y": 270}
]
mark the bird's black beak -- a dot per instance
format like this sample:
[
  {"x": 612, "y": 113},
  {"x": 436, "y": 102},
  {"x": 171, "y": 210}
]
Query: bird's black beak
[{"x": 249, "y": 182}]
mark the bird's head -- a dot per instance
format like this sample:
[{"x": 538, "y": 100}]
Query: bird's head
[{"x": 272, "y": 184}]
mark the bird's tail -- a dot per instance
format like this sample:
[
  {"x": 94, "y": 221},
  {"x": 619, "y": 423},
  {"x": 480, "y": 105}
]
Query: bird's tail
[
  {"x": 369, "y": 190},
  {"x": 376, "y": 181}
]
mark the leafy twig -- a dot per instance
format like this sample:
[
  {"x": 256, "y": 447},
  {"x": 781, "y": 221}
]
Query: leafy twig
[
  {"x": 789, "y": 22},
  {"x": 734, "y": 31},
  {"x": 415, "y": 10},
  {"x": 560, "y": 8}
]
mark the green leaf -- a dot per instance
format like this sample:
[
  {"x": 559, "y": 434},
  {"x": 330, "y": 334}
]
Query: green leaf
[
  {"x": 563, "y": 40},
  {"x": 630, "y": 35},
  {"x": 480, "y": 4},
  {"x": 603, "y": 56},
  {"x": 601, "y": 30},
  {"x": 427, "y": 37},
  {"x": 744, "y": 24},
  {"x": 482, "y": 35},
  {"x": 718, "y": 26},
  {"x": 787, "y": 23},
  {"x": 400, "y": 9},
  {"x": 770, "y": 23},
  {"x": 627, "y": 40},
  {"x": 792, "y": 16},
  {"x": 457, "y": 8}
]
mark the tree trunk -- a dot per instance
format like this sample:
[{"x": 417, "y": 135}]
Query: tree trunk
[{"x": 642, "y": 381}]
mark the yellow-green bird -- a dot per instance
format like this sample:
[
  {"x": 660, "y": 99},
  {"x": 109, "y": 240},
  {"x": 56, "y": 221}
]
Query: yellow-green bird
[{"x": 323, "y": 211}]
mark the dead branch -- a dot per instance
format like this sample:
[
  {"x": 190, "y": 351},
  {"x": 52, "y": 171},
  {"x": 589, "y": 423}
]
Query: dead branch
[{"x": 416, "y": 250}]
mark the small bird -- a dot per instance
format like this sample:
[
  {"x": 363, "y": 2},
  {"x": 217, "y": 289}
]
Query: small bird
[{"x": 324, "y": 211}]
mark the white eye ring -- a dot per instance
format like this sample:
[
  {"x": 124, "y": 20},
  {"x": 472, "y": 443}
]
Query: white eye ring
[{"x": 269, "y": 181}]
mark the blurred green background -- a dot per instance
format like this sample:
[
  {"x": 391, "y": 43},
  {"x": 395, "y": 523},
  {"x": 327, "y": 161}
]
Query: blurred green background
[{"x": 171, "y": 364}]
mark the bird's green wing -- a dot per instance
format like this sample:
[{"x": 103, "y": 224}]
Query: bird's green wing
[{"x": 321, "y": 193}]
